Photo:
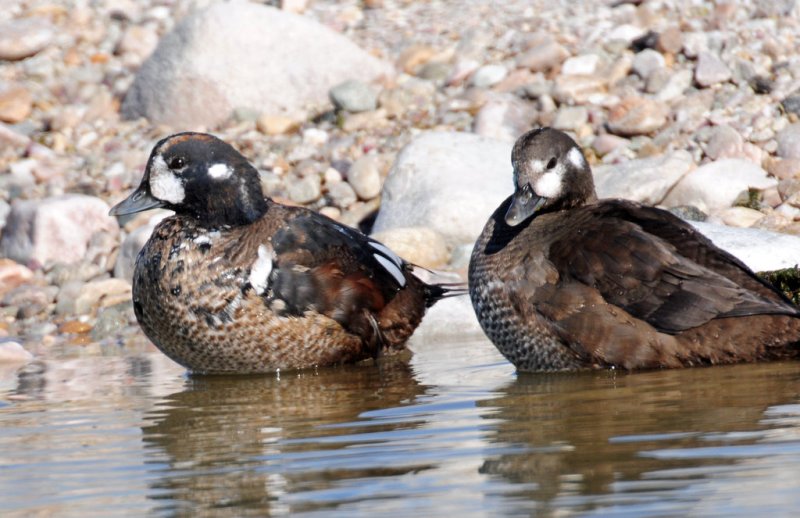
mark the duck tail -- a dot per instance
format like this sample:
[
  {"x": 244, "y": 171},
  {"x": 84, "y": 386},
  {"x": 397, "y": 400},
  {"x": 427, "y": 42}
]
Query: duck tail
[{"x": 439, "y": 291}]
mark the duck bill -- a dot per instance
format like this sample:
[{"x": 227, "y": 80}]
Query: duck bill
[
  {"x": 140, "y": 200},
  {"x": 524, "y": 204}
]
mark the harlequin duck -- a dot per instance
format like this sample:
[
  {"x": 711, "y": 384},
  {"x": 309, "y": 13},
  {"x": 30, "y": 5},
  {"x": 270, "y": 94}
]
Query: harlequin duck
[
  {"x": 237, "y": 283},
  {"x": 562, "y": 281}
]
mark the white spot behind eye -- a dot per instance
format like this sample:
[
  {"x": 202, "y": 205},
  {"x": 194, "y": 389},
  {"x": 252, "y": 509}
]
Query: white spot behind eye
[
  {"x": 537, "y": 166},
  {"x": 164, "y": 185},
  {"x": 220, "y": 171},
  {"x": 576, "y": 157},
  {"x": 390, "y": 261},
  {"x": 262, "y": 267}
]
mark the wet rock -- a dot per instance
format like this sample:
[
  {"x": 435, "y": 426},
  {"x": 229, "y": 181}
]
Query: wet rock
[
  {"x": 646, "y": 62},
  {"x": 438, "y": 174},
  {"x": 646, "y": 180},
  {"x": 789, "y": 141},
  {"x": 354, "y": 96},
  {"x": 56, "y": 229},
  {"x": 13, "y": 352},
  {"x": 583, "y": 65},
  {"x": 22, "y": 38},
  {"x": 637, "y": 116},
  {"x": 31, "y": 300},
  {"x": 421, "y": 246},
  {"x": 364, "y": 177},
  {"x": 570, "y": 118},
  {"x": 724, "y": 142},
  {"x": 12, "y": 274},
  {"x": 224, "y": 57},
  {"x": 543, "y": 57},
  {"x": 102, "y": 293},
  {"x": 488, "y": 75},
  {"x": 16, "y": 103},
  {"x": 710, "y": 70},
  {"x": 504, "y": 117},
  {"x": 716, "y": 185},
  {"x": 111, "y": 320}
]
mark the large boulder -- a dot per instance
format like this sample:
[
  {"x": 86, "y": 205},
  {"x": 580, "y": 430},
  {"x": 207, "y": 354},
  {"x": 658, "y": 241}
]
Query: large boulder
[
  {"x": 447, "y": 181},
  {"x": 60, "y": 229},
  {"x": 646, "y": 180},
  {"x": 244, "y": 55}
]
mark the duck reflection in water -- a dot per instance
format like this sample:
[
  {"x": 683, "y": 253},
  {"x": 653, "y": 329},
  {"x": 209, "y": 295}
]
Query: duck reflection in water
[
  {"x": 587, "y": 433},
  {"x": 224, "y": 438}
]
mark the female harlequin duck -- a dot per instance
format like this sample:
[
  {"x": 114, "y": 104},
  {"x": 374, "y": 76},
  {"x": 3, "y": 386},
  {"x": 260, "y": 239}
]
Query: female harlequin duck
[
  {"x": 561, "y": 281},
  {"x": 237, "y": 283}
]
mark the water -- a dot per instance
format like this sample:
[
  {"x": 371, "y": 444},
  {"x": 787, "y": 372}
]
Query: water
[{"x": 452, "y": 431}]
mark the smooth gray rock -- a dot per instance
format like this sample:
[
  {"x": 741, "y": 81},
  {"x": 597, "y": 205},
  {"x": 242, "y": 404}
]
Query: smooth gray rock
[
  {"x": 448, "y": 181},
  {"x": 710, "y": 70},
  {"x": 716, "y": 185},
  {"x": 646, "y": 180},
  {"x": 24, "y": 37},
  {"x": 244, "y": 55},
  {"x": 354, "y": 96},
  {"x": 789, "y": 141}
]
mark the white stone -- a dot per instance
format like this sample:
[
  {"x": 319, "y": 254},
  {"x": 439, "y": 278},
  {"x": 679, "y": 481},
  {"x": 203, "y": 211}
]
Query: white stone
[
  {"x": 488, "y": 75},
  {"x": 235, "y": 55},
  {"x": 13, "y": 352},
  {"x": 761, "y": 250},
  {"x": 646, "y": 180},
  {"x": 716, "y": 185},
  {"x": 56, "y": 229},
  {"x": 448, "y": 181},
  {"x": 646, "y": 62},
  {"x": 585, "y": 64}
]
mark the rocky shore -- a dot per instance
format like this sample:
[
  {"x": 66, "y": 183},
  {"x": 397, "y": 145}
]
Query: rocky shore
[{"x": 394, "y": 115}]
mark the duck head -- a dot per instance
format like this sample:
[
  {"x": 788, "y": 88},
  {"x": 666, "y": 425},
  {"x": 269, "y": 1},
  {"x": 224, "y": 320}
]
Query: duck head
[
  {"x": 550, "y": 173},
  {"x": 199, "y": 176}
]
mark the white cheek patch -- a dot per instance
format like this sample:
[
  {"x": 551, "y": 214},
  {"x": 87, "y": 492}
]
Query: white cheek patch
[
  {"x": 576, "y": 158},
  {"x": 164, "y": 185},
  {"x": 390, "y": 261},
  {"x": 220, "y": 171},
  {"x": 262, "y": 267},
  {"x": 550, "y": 184}
]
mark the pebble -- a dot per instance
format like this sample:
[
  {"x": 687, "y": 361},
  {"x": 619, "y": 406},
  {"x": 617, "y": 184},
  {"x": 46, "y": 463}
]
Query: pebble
[
  {"x": 646, "y": 62},
  {"x": 421, "y": 246},
  {"x": 275, "y": 124},
  {"x": 585, "y": 65},
  {"x": 16, "y": 103},
  {"x": 710, "y": 70},
  {"x": 791, "y": 104},
  {"x": 578, "y": 89},
  {"x": 488, "y": 75},
  {"x": 675, "y": 86},
  {"x": 413, "y": 57},
  {"x": 504, "y": 117},
  {"x": 789, "y": 141},
  {"x": 606, "y": 143},
  {"x": 137, "y": 43},
  {"x": 670, "y": 40},
  {"x": 738, "y": 217},
  {"x": 12, "y": 274},
  {"x": 75, "y": 327},
  {"x": 364, "y": 177},
  {"x": 305, "y": 189},
  {"x": 724, "y": 142},
  {"x": 654, "y": 177},
  {"x": 24, "y": 37},
  {"x": 102, "y": 293},
  {"x": 58, "y": 229},
  {"x": 354, "y": 96},
  {"x": 637, "y": 116},
  {"x": 342, "y": 194},
  {"x": 570, "y": 118},
  {"x": 543, "y": 57},
  {"x": 111, "y": 320},
  {"x": 785, "y": 169}
]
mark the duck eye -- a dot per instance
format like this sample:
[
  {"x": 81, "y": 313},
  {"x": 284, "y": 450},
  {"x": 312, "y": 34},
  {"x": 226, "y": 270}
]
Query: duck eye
[
  {"x": 176, "y": 162},
  {"x": 552, "y": 163}
]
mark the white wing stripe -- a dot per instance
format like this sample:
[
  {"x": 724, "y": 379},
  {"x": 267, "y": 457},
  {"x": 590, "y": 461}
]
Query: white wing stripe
[
  {"x": 385, "y": 252},
  {"x": 392, "y": 268}
]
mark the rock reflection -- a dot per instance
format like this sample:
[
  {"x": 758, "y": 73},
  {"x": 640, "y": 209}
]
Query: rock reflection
[
  {"x": 587, "y": 430},
  {"x": 218, "y": 443}
]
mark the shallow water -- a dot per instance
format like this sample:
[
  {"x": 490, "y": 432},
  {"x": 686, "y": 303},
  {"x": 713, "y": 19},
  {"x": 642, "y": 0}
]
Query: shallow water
[{"x": 453, "y": 430}]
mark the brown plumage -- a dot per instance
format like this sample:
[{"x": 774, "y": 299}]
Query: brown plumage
[
  {"x": 561, "y": 281},
  {"x": 236, "y": 283}
]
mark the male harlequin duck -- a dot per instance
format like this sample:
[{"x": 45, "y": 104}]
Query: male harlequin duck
[
  {"x": 562, "y": 281},
  {"x": 237, "y": 283}
]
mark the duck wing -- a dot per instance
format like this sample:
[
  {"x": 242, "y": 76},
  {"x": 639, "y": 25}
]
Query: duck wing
[{"x": 658, "y": 268}]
